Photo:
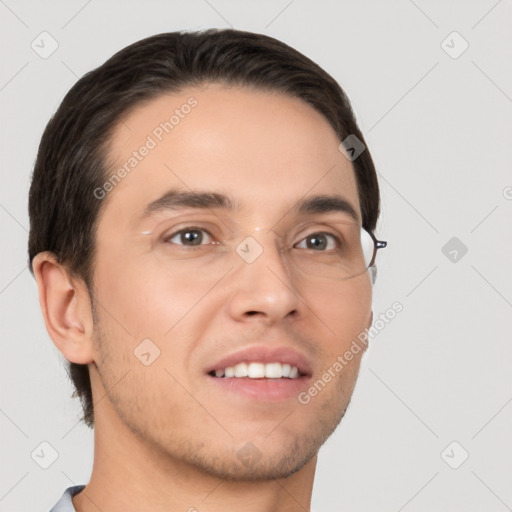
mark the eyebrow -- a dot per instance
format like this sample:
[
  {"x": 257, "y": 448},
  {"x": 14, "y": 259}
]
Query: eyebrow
[{"x": 178, "y": 199}]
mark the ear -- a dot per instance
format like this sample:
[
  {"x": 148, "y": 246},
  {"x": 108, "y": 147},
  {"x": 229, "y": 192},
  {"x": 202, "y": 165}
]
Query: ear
[
  {"x": 66, "y": 309},
  {"x": 373, "y": 271}
]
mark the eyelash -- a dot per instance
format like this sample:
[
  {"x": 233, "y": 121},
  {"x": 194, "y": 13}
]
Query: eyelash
[{"x": 196, "y": 228}]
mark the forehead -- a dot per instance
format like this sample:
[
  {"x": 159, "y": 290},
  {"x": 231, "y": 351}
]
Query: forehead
[{"x": 266, "y": 150}]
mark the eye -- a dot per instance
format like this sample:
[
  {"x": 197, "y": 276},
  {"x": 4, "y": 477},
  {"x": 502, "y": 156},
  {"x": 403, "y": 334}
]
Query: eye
[
  {"x": 190, "y": 237},
  {"x": 319, "y": 241}
]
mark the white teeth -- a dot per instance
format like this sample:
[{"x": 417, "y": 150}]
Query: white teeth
[
  {"x": 259, "y": 371},
  {"x": 294, "y": 372},
  {"x": 256, "y": 370},
  {"x": 241, "y": 370},
  {"x": 273, "y": 371}
]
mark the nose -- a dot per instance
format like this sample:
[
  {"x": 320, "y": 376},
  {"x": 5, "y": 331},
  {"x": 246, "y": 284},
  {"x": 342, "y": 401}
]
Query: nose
[{"x": 264, "y": 286}]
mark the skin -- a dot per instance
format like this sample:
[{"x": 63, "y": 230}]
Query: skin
[{"x": 165, "y": 438}]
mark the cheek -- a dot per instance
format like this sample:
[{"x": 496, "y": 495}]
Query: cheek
[
  {"x": 345, "y": 310},
  {"x": 148, "y": 300}
]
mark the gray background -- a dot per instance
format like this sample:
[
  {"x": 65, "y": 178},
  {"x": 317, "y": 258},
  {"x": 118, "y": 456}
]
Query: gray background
[{"x": 439, "y": 130}]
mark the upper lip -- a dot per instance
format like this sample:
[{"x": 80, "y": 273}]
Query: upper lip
[{"x": 263, "y": 354}]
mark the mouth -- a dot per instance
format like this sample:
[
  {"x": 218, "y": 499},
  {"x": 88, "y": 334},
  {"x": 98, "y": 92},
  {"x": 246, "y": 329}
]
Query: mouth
[
  {"x": 262, "y": 374},
  {"x": 256, "y": 370}
]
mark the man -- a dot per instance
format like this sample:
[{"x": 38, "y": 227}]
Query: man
[{"x": 202, "y": 209}]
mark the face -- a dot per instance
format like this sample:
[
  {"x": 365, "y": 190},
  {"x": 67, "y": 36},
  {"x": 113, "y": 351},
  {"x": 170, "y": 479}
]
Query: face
[{"x": 180, "y": 288}]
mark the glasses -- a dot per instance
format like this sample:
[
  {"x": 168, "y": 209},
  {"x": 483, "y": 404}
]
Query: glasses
[
  {"x": 332, "y": 250},
  {"x": 339, "y": 251}
]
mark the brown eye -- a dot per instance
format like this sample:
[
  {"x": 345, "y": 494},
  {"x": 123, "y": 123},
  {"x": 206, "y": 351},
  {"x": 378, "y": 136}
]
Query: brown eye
[
  {"x": 318, "y": 241},
  {"x": 189, "y": 237}
]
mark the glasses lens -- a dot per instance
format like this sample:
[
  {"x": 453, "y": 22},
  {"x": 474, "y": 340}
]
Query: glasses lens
[
  {"x": 332, "y": 250},
  {"x": 337, "y": 250}
]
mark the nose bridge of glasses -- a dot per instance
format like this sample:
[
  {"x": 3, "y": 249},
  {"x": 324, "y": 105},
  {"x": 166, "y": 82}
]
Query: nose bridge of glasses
[{"x": 260, "y": 244}]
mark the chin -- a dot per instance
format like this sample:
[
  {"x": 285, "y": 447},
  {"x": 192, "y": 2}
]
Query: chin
[{"x": 250, "y": 464}]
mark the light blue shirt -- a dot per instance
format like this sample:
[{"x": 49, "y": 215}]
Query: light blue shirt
[{"x": 65, "y": 504}]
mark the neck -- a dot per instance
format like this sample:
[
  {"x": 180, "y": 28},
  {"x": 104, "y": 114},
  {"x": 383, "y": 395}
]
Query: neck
[{"x": 131, "y": 474}]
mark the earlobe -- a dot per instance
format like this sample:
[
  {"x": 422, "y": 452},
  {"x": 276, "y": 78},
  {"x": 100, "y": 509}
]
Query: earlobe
[{"x": 66, "y": 309}]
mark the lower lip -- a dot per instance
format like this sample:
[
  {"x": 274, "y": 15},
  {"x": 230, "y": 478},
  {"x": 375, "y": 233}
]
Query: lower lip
[{"x": 263, "y": 390}]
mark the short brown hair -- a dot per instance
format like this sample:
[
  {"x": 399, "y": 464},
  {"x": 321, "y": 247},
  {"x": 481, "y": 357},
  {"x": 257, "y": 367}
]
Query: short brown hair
[{"x": 71, "y": 160}]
